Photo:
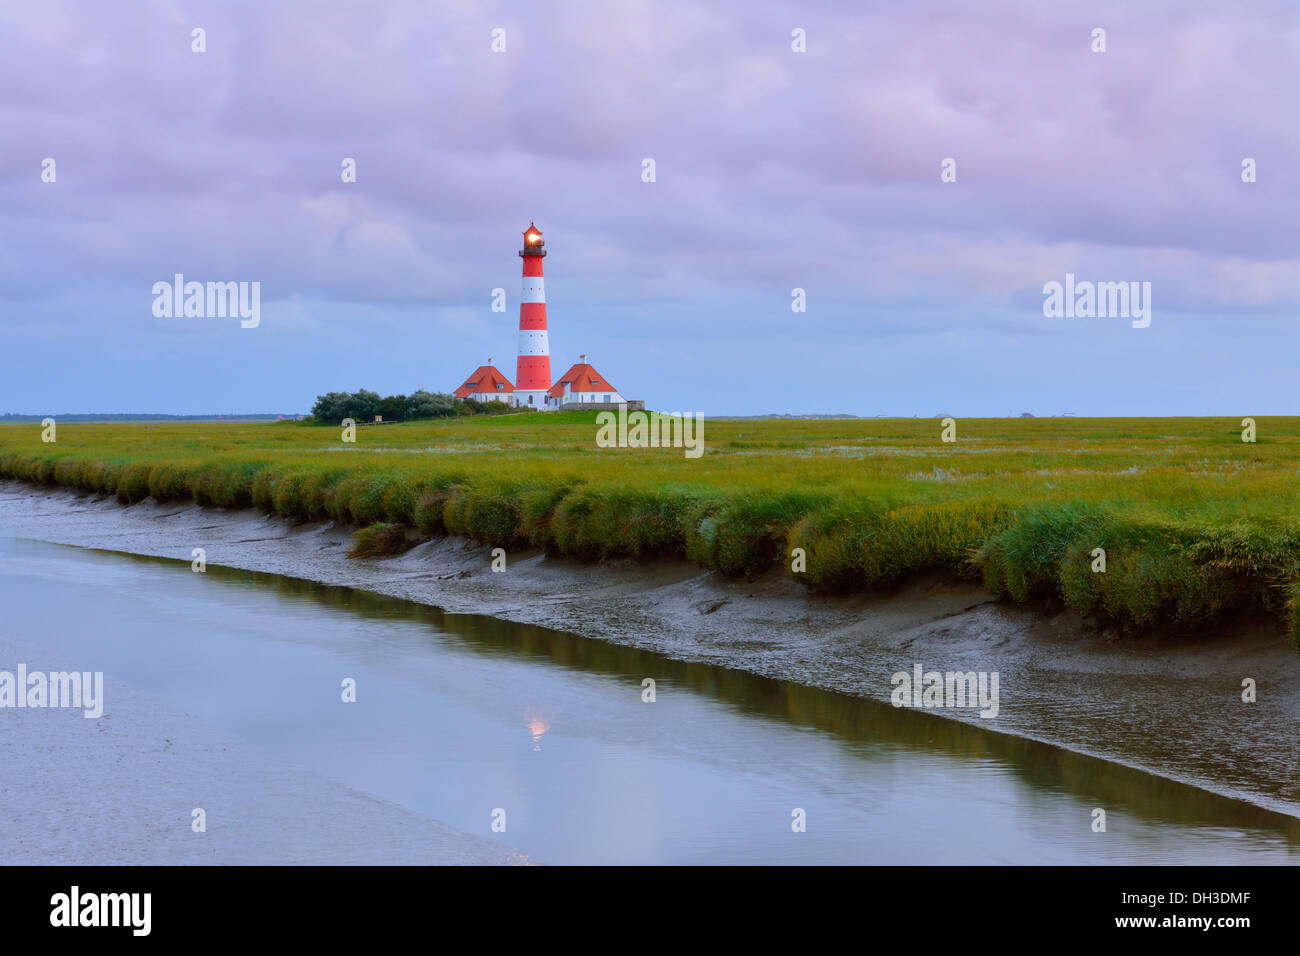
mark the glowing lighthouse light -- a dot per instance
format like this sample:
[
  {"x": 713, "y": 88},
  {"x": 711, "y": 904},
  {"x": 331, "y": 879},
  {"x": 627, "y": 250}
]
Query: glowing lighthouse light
[{"x": 533, "y": 370}]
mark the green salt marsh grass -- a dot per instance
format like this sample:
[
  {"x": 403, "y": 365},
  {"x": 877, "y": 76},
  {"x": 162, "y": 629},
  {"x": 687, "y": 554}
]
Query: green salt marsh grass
[{"x": 1196, "y": 524}]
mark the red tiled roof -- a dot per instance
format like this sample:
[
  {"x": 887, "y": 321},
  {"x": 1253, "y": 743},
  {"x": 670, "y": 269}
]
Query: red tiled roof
[
  {"x": 485, "y": 380},
  {"x": 581, "y": 378}
]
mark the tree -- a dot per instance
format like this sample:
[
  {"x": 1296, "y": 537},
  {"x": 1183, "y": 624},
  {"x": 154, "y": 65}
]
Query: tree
[
  {"x": 422, "y": 404},
  {"x": 363, "y": 405},
  {"x": 331, "y": 407},
  {"x": 393, "y": 408}
]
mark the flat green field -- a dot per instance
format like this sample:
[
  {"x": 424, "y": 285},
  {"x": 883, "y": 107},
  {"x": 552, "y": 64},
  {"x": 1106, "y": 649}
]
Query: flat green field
[{"x": 1195, "y": 523}]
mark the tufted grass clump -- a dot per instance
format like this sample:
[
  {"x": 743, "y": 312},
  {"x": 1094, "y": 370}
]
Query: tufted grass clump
[{"x": 382, "y": 539}]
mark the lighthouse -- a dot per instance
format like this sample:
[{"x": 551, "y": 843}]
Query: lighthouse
[{"x": 533, "y": 371}]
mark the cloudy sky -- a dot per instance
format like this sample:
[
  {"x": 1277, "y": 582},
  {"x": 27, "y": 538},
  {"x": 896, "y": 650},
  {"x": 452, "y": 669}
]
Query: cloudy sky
[{"x": 774, "y": 170}]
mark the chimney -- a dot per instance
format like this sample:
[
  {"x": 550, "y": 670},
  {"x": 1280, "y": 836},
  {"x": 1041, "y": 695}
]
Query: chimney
[{"x": 582, "y": 358}]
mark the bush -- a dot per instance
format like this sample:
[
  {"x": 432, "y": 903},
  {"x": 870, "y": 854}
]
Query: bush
[
  {"x": 133, "y": 485},
  {"x": 381, "y": 538},
  {"x": 362, "y": 406}
]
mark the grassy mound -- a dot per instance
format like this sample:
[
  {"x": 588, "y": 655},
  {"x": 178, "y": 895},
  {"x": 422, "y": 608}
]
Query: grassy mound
[{"x": 1195, "y": 524}]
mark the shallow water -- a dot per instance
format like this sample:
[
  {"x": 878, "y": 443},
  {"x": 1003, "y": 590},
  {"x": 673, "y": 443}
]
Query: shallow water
[{"x": 458, "y": 715}]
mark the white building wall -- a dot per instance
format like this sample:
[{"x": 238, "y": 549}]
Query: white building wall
[
  {"x": 596, "y": 398},
  {"x": 521, "y": 396}
]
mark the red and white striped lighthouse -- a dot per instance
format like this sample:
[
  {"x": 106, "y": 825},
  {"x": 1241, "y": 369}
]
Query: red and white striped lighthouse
[{"x": 533, "y": 372}]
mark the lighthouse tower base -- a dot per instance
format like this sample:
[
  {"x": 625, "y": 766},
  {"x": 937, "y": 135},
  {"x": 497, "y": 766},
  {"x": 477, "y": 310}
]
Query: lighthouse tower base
[{"x": 529, "y": 398}]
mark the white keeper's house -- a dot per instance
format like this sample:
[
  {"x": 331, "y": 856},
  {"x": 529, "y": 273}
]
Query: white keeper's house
[
  {"x": 486, "y": 384},
  {"x": 582, "y": 384}
]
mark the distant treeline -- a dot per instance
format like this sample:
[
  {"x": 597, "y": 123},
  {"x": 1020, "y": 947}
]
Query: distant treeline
[{"x": 363, "y": 406}]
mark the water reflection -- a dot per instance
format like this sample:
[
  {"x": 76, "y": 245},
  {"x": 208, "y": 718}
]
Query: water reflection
[
  {"x": 537, "y": 726},
  {"x": 866, "y": 727}
]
